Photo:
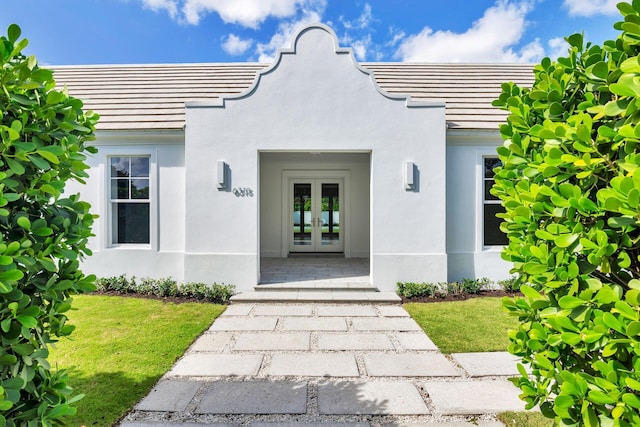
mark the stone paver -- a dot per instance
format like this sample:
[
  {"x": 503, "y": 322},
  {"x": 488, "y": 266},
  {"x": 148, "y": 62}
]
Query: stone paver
[
  {"x": 314, "y": 324},
  {"x": 283, "y": 310},
  {"x": 213, "y": 341},
  {"x": 354, "y": 342},
  {"x": 175, "y": 424},
  {"x": 254, "y": 397},
  {"x": 237, "y": 310},
  {"x": 392, "y": 311},
  {"x": 213, "y": 364},
  {"x": 409, "y": 365},
  {"x": 349, "y": 310},
  {"x": 474, "y": 423},
  {"x": 474, "y": 397},
  {"x": 313, "y": 365},
  {"x": 397, "y": 398},
  {"x": 244, "y": 324},
  {"x": 169, "y": 395},
  {"x": 415, "y": 341},
  {"x": 273, "y": 341},
  {"x": 488, "y": 364},
  {"x": 385, "y": 324},
  {"x": 304, "y": 424},
  {"x": 358, "y": 361}
]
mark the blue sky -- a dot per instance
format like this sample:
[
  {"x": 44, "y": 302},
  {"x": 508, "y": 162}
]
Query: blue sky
[{"x": 170, "y": 31}]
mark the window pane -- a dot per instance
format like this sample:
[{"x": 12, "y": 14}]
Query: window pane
[
  {"x": 120, "y": 166},
  {"x": 489, "y": 164},
  {"x": 492, "y": 234},
  {"x": 488, "y": 183},
  {"x": 139, "y": 188},
  {"x": 119, "y": 188},
  {"x": 139, "y": 166},
  {"x": 131, "y": 223}
]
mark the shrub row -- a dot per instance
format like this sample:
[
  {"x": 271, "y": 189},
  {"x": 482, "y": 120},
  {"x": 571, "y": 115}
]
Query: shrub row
[
  {"x": 442, "y": 289},
  {"x": 166, "y": 287}
]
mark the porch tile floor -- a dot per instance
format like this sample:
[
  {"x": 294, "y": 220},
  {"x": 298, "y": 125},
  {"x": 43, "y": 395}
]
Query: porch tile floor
[
  {"x": 314, "y": 271},
  {"x": 311, "y": 364}
]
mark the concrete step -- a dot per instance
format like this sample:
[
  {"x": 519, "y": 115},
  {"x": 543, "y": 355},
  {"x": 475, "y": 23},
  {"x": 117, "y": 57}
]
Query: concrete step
[
  {"x": 317, "y": 286},
  {"x": 326, "y": 296}
]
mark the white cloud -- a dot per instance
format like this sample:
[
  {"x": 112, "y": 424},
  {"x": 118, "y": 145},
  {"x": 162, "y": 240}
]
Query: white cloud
[
  {"x": 591, "y": 7},
  {"x": 491, "y": 38},
  {"x": 235, "y": 45},
  {"x": 311, "y": 13},
  {"x": 356, "y": 33},
  {"x": 531, "y": 52},
  {"x": 558, "y": 47},
  {"x": 396, "y": 37},
  {"x": 361, "y": 22},
  {"x": 248, "y": 13},
  {"x": 361, "y": 47},
  {"x": 158, "y": 5}
]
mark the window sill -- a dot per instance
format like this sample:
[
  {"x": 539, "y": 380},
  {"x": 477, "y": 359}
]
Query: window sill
[{"x": 128, "y": 246}]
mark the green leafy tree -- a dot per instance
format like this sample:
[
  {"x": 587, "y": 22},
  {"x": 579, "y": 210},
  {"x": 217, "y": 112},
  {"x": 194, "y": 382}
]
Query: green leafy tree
[
  {"x": 570, "y": 185},
  {"x": 43, "y": 233}
]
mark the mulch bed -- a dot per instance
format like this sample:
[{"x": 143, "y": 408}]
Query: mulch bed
[
  {"x": 451, "y": 297},
  {"x": 498, "y": 293}
]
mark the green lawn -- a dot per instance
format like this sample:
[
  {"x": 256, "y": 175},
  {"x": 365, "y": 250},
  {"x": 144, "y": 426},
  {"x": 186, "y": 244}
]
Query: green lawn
[
  {"x": 524, "y": 419},
  {"x": 474, "y": 325},
  {"x": 121, "y": 347}
]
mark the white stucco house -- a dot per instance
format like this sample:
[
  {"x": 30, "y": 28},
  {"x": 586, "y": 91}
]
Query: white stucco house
[{"x": 205, "y": 170}]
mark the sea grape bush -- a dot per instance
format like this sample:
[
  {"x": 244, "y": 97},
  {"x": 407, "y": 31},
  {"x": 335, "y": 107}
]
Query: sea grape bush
[
  {"x": 166, "y": 288},
  {"x": 43, "y": 232},
  {"x": 570, "y": 184}
]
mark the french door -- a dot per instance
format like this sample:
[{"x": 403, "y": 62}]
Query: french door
[{"x": 316, "y": 213}]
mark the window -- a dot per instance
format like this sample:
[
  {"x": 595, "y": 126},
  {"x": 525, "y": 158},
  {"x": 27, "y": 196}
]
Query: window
[
  {"x": 491, "y": 206},
  {"x": 130, "y": 205}
]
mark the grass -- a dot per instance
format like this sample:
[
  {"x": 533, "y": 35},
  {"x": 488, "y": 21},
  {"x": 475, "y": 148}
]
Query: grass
[
  {"x": 524, "y": 419},
  {"x": 121, "y": 347},
  {"x": 473, "y": 325}
]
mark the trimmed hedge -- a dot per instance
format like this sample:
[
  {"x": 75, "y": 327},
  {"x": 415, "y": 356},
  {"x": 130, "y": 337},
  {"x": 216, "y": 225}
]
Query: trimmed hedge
[{"x": 166, "y": 288}]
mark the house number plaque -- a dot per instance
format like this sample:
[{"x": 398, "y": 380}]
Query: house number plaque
[{"x": 242, "y": 191}]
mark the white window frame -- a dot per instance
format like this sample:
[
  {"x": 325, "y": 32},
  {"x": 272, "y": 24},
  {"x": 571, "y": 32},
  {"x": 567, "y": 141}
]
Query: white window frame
[
  {"x": 107, "y": 211},
  {"x": 480, "y": 201}
]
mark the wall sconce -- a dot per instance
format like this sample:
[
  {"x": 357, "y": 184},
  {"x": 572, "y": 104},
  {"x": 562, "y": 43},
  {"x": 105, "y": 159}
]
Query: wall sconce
[
  {"x": 223, "y": 175},
  {"x": 409, "y": 176}
]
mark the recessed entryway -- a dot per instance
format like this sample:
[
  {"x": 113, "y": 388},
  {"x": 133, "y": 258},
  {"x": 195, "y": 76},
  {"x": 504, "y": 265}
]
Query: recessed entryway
[{"x": 315, "y": 204}]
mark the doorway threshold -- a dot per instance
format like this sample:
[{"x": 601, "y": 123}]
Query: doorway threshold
[{"x": 315, "y": 255}]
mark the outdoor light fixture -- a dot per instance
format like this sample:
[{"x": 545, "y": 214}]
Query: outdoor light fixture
[
  {"x": 222, "y": 170},
  {"x": 409, "y": 177}
]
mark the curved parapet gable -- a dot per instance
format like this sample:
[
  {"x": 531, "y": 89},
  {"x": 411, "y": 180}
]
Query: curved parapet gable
[{"x": 311, "y": 43}]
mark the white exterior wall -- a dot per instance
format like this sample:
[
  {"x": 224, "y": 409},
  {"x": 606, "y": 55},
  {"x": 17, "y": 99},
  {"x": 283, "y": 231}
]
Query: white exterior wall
[
  {"x": 316, "y": 98},
  {"x": 164, "y": 257},
  {"x": 467, "y": 255}
]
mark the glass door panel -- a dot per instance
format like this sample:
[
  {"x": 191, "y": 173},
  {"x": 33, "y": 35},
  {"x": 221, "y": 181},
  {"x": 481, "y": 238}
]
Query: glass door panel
[
  {"x": 330, "y": 214},
  {"x": 302, "y": 227},
  {"x": 315, "y": 215}
]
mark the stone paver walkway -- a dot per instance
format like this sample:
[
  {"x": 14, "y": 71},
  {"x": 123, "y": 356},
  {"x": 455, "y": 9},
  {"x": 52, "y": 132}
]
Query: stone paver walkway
[{"x": 326, "y": 365}]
